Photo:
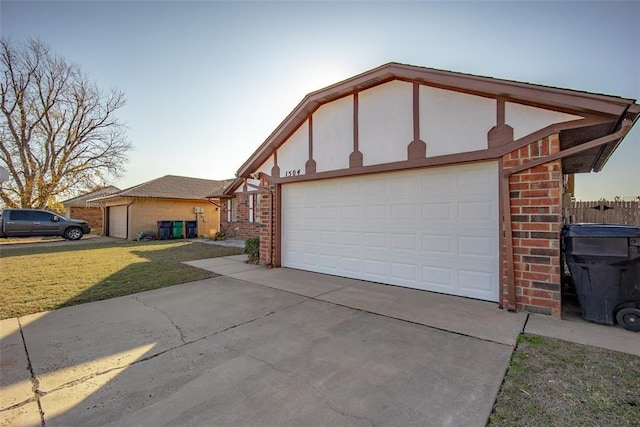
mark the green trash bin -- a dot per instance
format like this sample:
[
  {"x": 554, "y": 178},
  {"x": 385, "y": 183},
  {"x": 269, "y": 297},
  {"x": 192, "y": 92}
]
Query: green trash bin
[{"x": 176, "y": 230}]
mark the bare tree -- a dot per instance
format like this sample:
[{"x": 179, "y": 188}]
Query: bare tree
[{"x": 58, "y": 133}]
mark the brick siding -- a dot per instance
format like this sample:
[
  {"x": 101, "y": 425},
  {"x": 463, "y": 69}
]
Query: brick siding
[
  {"x": 144, "y": 214},
  {"x": 241, "y": 228},
  {"x": 90, "y": 214},
  {"x": 536, "y": 215},
  {"x": 267, "y": 228}
]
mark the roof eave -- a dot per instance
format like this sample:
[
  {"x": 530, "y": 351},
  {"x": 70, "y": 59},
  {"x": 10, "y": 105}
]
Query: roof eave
[{"x": 556, "y": 98}]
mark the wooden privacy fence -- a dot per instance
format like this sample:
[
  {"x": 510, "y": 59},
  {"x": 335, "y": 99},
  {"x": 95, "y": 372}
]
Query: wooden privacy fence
[{"x": 604, "y": 212}]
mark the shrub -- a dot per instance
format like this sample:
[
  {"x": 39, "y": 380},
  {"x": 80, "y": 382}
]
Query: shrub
[
  {"x": 252, "y": 248},
  {"x": 220, "y": 235}
]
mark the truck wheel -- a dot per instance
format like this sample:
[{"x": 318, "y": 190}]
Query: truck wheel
[
  {"x": 73, "y": 233},
  {"x": 629, "y": 318}
]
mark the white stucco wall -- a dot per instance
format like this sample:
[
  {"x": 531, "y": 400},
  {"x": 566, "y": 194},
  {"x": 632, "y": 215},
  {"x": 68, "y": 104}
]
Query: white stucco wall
[
  {"x": 525, "y": 120},
  {"x": 294, "y": 153},
  {"x": 250, "y": 181},
  {"x": 333, "y": 135},
  {"x": 385, "y": 117},
  {"x": 266, "y": 166},
  {"x": 453, "y": 122}
]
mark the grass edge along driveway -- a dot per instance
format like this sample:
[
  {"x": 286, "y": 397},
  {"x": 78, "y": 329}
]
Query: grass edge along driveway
[
  {"x": 555, "y": 382},
  {"x": 39, "y": 279}
]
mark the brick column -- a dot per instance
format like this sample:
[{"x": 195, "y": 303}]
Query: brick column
[
  {"x": 536, "y": 203},
  {"x": 267, "y": 226}
]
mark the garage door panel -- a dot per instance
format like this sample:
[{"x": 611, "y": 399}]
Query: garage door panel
[
  {"x": 423, "y": 229},
  {"x": 404, "y": 241},
  {"x": 351, "y": 265},
  {"x": 118, "y": 221},
  {"x": 475, "y": 246},
  {"x": 437, "y": 211},
  {"x": 376, "y": 269}
]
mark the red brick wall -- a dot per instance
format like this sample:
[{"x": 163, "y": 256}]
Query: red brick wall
[
  {"x": 240, "y": 229},
  {"x": 92, "y": 215},
  {"x": 267, "y": 227},
  {"x": 536, "y": 203}
]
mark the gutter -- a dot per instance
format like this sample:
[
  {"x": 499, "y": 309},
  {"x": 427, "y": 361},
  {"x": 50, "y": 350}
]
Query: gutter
[{"x": 508, "y": 235}]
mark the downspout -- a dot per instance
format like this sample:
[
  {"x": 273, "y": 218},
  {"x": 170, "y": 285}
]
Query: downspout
[
  {"x": 272, "y": 223},
  {"x": 132, "y": 202},
  {"x": 511, "y": 295}
]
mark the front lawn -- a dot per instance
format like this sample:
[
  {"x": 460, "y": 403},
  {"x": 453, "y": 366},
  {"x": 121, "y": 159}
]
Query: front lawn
[
  {"x": 37, "y": 279},
  {"x": 551, "y": 382}
]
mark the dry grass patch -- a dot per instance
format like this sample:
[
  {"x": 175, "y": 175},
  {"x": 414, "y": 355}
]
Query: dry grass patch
[
  {"x": 37, "y": 279},
  {"x": 555, "y": 382}
]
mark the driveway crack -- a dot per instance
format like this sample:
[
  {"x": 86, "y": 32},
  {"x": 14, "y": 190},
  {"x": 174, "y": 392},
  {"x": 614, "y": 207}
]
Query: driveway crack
[
  {"x": 316, "y": 389},
  {"x": 144, "y": 359},
  {"x": 167, "y": 315},
  {"x": 35, "y": 383},
  {"x": 337, "y": 410}
]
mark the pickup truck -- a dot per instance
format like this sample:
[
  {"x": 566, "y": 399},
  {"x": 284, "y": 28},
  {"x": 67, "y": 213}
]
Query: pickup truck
[{"x": 37, "y": 222}]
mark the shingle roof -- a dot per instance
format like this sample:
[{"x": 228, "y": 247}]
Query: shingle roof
[
  {"x": 171, "y": 187},
  {"x": 81, "y": 201}
]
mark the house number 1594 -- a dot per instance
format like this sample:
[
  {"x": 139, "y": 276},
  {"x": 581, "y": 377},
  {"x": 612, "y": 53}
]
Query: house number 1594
[{"x": 292, "y": 173}]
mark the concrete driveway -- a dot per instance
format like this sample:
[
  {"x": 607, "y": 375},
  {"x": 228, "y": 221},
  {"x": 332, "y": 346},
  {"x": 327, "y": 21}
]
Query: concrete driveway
[{"x": 259, "y": 347}]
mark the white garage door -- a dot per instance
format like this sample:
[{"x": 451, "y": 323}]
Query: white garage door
[
  {"x": 118, "y": 221},
  {"x": 434, "y": 229}
]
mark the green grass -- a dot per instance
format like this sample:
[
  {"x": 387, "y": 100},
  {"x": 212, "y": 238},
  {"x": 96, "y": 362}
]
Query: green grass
[
  {"x": 555, "y": 382},
  {"x": 38, "y": 279}
]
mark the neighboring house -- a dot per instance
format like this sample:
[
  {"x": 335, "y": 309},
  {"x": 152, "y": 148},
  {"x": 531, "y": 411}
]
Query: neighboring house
[
  {"x": 169, "y": 198},
  {"x": 80, "y": 207},
  {"x": 427, "y": 179}
]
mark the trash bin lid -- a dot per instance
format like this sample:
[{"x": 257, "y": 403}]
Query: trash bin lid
[{"x": 601, "y": 230}]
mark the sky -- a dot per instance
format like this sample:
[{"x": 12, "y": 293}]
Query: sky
[{"x": 207, "y": 82}]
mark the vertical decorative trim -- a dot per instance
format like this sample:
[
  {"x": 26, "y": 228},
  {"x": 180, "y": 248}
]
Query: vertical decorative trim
[
  {"x": 417, "y": 149},
  {"x": 355, "y": 158},
  {"x": 276, "y": 260},
  {"x": 416, "y": 111},
  {"x": 500, "y": 113},
  {"x": 310, "y": 165},
  {"x": 502, "y": 295},
  {"x": 275, "y": 170},
  {"x": 501, "y": 134}
]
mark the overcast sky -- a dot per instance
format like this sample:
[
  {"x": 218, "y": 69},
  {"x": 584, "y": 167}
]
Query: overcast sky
[{"x": 207, "y": 82}]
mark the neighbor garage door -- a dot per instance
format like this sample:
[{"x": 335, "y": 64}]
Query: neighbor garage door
[
  {"x": 118, "y": 221},
  {"x": 434, "y": 229}
]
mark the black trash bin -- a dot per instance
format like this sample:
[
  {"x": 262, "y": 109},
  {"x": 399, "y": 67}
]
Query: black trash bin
[
  {"x": 176, "y": 229},
  {"x": 191, "y": 229},
  {"x": 164, "y": 230},
  {"x": 604, "y": 263}
]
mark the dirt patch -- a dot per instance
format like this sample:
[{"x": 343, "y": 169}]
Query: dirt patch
[{"x": 554, "y": 382}]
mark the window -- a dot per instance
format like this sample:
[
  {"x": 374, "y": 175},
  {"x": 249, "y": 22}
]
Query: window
[
  {"x": 42, "y": 216},
  {"x": 232, "y": 210},
  {"x": 254, "y": 207},
  {"x": 20, "y": 215}
]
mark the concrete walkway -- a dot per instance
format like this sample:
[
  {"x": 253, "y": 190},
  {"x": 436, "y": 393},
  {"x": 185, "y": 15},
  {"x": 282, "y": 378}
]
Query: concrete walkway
[{"x": 268, "y": 347}]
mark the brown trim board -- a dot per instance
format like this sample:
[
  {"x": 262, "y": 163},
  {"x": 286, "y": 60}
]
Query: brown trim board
[{"x": 546, "y": 97}]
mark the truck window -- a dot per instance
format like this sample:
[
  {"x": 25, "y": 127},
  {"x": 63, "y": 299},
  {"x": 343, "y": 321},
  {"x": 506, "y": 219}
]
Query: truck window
[
  {"x": 19, "y": 215},
  {"x": 42, "y": 216}
]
